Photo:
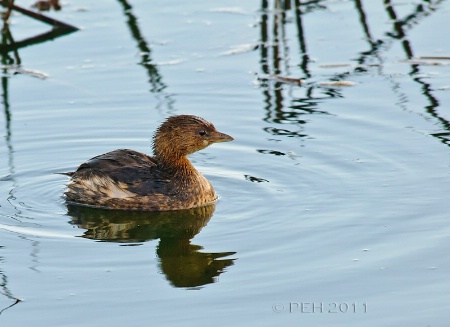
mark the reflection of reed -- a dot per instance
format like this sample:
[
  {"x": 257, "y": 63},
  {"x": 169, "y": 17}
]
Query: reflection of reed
[
  {"x": 155, "y": 79},
  {"x": 274, "y": 52},
  {"x": 301, "y": 39},
  {"x": 8, "y": 134},
  {"x": 182, "y": 262},
  {"x": 8, "y": 44},
  {"x": 58, "y": 29},
  {"x": 5, "y": 291},
  {"x": 400, "y": 26},
  {"x": 7, "y": 111}
]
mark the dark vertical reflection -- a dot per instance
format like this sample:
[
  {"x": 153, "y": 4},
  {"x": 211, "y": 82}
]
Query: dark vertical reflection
[
  {"x": 264, "y": 50},
  {"x": 276, "y": 42},
  {"x": 155, "y": 78},
  {"x": 374, "y": 45},
  {"x": 398, "y": 27},
  {"x": 276, "y": 55},
  {"x": 283, "y": 106},
  {"x": 270, "y": 54},
  {"x": 399, "y": 31},
  {"x": 432, "y": 110},
  {"x": 6, "y": 61},
  {"x": 59, "y": 28},
  {"x": 363, "y": 20},
  {"x": 7, "y": 112},
  {"x": 10, "y": 46},
  {"x": 4, "y": 290},
  {"x": 280, "y": 106},
  {"x": 301, "y": 39}
]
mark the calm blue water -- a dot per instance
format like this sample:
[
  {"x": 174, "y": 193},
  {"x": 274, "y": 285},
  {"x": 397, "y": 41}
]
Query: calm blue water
[{"x": 334, "y": 200}]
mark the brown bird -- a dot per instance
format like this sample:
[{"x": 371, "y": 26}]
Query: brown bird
[{"x": 127, "y": 179}]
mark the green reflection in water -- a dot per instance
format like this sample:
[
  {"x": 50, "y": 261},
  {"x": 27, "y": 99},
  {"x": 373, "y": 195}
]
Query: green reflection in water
[{"x": 182, "y": 262}]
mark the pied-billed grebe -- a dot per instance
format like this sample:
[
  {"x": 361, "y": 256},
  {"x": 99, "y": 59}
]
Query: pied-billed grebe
[{"x": 126, "y": 179}]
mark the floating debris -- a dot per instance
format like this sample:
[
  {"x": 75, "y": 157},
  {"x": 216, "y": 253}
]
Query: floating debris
[
  {"x": 287, "y": 80},
  {"x": 229, "y": 10},
  {"x": 33, "y": 73},
  {"x": 335, "y": 65},
  {"x": 19, "y": 70},
  {"x": 242, "y": 48},
  {"x": 429, "y": 61},
  {"x": 337, "y": 83},
  {"x": 300, "y": 82},
  {"x": 434, "y": 58},
  {"x": 424, "y": 62},
  {"x": 171, "y": 62}
]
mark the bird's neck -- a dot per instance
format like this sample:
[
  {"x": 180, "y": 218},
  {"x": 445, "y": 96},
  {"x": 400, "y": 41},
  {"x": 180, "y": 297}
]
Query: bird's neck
[{"x": 179, "y": 165}]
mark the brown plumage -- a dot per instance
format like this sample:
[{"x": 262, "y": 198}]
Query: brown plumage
[{"x": 127, "y": 179}]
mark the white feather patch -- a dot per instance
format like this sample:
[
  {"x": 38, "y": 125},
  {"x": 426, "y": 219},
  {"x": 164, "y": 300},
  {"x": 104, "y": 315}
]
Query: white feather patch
[{"x": 106, "y": 186}]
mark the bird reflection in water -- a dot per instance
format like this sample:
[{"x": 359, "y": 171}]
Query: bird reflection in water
[{"x": 182, "y": 262}]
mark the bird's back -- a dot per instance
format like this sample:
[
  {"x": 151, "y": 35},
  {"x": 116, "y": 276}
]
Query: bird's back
[{"x": 127, "y": 179}]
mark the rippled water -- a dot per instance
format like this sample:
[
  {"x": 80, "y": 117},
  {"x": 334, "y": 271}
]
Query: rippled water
[{"x": 334, "y": 199}]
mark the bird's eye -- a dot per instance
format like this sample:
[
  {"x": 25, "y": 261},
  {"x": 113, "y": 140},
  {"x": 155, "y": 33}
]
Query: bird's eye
[{"x": 202, "y": 132}]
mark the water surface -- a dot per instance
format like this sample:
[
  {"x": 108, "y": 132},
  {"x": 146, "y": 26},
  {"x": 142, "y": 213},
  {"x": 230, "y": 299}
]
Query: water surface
[{"x": 333, "y": 200}]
